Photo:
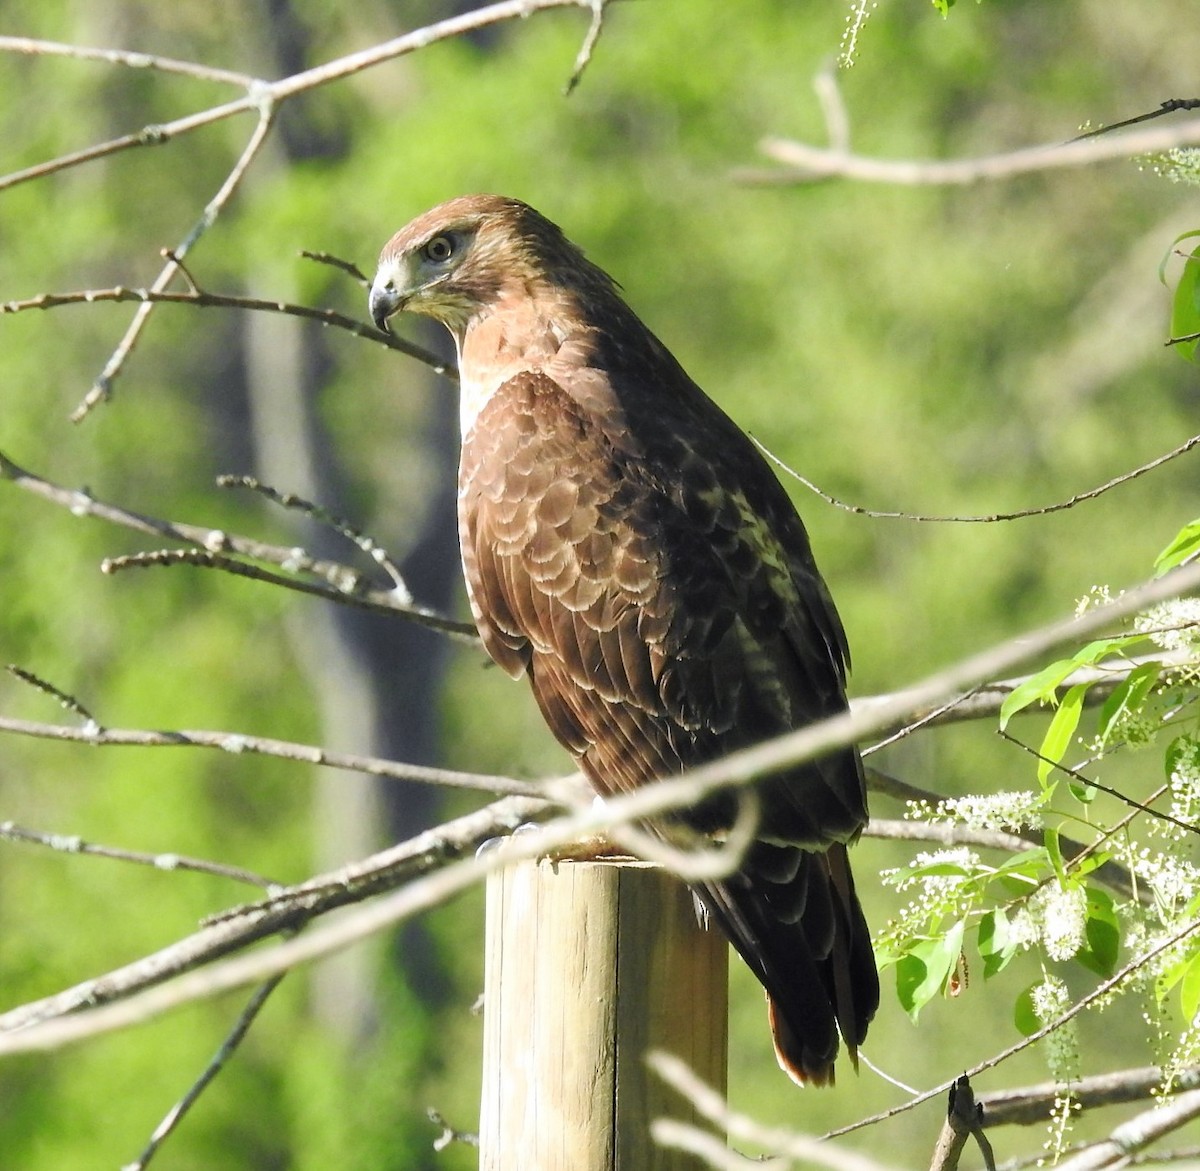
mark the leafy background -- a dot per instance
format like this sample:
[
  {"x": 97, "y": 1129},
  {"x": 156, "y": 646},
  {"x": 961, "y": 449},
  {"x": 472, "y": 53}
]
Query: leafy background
[{"x": 934, "y": 350}]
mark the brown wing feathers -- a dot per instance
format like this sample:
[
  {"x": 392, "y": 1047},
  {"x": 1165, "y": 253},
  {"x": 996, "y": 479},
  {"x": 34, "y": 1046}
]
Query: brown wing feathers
[{"x": 636, "y": 692}]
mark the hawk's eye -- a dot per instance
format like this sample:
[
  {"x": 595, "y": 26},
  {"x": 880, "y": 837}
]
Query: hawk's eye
[{"x": 439, "y": 249}]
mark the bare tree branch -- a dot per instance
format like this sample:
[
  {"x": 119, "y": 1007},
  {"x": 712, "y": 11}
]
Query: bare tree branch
[
  {"x": 1027, "y": 1105},
  {"x": 1137, "y": 1134},
  {"x": 283, "y": 911},
  {"x": 72, "y": 844},
  {"x": 35, "y": 48},
  {"x": 263, "y": 98},
  {"x": 984, "y": 702},
  {"x": 589, "y": 45},
  {"x": 238, "y": 743},
  {"x": 102, "y": 387},
  {"x": 343, "y": 528},
  {"x": 262, "y": 93},
  {"x": 205, "y": 300},
  {"x": 803, "y": 163},
  {"x": 344, "y": 584},
  {"x": 741, "y": 768},
  {"x": 713, "y": 1107}
]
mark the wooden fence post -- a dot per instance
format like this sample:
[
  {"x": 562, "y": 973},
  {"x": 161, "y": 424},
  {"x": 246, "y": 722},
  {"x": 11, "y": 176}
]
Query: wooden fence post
[{"x": 589, "y": 965}]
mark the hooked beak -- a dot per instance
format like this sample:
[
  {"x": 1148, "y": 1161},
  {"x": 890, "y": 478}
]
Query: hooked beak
[{"x": 385, "y": 301}]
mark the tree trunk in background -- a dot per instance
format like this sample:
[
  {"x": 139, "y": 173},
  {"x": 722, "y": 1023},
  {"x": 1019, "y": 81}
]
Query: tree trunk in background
[{"x": 376, "y": 677}]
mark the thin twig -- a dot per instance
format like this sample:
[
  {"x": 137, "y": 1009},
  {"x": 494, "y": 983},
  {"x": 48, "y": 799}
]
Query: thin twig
[
  {"x": 449, "y": 1133},
  {"x": 346, "y": 266},
  {"x": 987, "y": 518},
  {"x": 238, "y": 744},
  {"x": 677, "y": 1135},
  {"x": 344, "y": 583},
  {"x": 1111, "y": 873},
  {"x": 206, "y": 300},
  {"x": 147, "y": 136},
  {"x": 928, "y": 719},
  {"x": 343, "y": 528},
  {"x": 1076, "y": 775},
  {"x": 1136, "y": 1134},
  {"x": 833, "y": 106},
  {"x": 202, "y": 559},
  {"x": 216, "y": 1063},
  {"x": 102, "y": 387},
  {"x": 713, "y": 1107},
  {"x": 1170, "y": 106},
  {"x": 274, "y": 92},
  {"x": 72, "y": 844},
  {"x": 68, "y": 702},
  {"x": 986, "y": 700},
  {"x": 36, "y": 48},
  {"x": 584, "y": 57}
]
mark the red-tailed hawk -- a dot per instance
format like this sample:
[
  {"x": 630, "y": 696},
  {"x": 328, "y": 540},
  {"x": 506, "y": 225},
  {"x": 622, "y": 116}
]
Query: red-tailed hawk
[{"x": 629, "y": 551}]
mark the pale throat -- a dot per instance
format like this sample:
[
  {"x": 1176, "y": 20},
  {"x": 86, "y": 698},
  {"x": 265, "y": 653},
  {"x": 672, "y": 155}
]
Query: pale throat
[{"x": 515, "y": 333}]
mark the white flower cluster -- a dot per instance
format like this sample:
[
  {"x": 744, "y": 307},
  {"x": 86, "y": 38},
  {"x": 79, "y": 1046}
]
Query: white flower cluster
[
  {"x": 859, "y": 11},
  {"x": 938, "y": 886},
  {"x": 1180, "y": 164},
  {"x": 1064, "y": 918},
  {"x": 1173, "y": 881},
  {"x": 937, "y": 895},
  {"x": 1010, "y": 811},
  {"x": 1185, "y": 791},
  {"x": 1098, "y": 595},
  {"x": 1056, "y": 915},
  {"x": 1173, "y": 625},
  {"x": 1050, "y": 999}
]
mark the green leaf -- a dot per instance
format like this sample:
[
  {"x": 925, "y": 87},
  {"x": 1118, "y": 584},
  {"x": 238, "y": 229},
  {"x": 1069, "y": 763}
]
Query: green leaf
[
  {"x": 1103, "y": 935},
  {"x": 923, "y": 972},
  {"x": 1173, "y": 975},
  {"x": 1080, "y": 867},
  {"x": 1054, "y": 852},
  {"x": 1128, "y": 695},
  {"x": 1184, "y": 547},
  {"x": 1185, "y": 307},
  {"x": 1084, "y": 794},
  {"x": 1044, "y": 685},
  {"x": 1061, "y": 731},
  {"x": 1189, "y": 993},
  {"x": 1171, "y": 251},
  {"x": 995, "y": 942},
  {"x": 1023, "y": 1015},
  {"x": 1020, "y": 873}
]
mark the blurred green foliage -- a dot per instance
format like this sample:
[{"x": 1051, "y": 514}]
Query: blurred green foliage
[{"x": 933, "y": 350}]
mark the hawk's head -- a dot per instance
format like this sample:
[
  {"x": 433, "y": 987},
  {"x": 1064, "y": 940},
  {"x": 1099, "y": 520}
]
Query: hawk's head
[{"x": 457, "y": 259}]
